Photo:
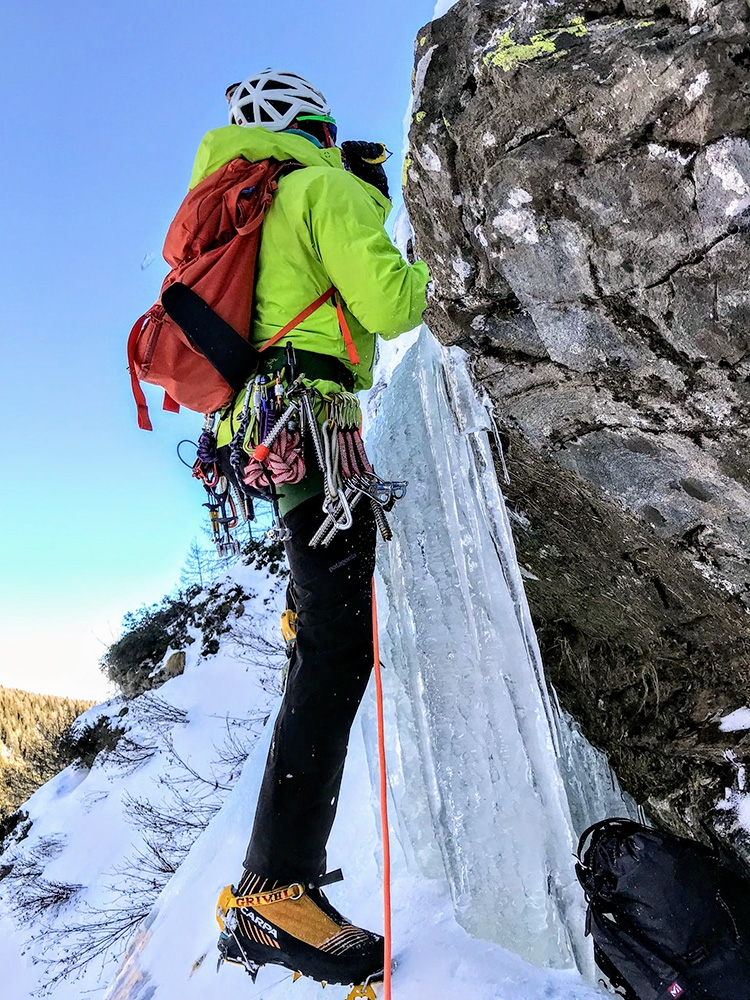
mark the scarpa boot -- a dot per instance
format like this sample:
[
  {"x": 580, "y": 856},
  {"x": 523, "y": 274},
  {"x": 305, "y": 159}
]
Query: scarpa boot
[{"x": 293, "y": 924}]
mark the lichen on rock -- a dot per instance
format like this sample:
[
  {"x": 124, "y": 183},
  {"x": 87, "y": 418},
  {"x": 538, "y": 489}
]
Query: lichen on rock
[{"x": 507, "y": 54}]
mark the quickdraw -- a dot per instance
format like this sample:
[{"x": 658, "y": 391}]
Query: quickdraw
[
  {"x": 349, "y": 475},
  {"x": 222, "y": 508}
]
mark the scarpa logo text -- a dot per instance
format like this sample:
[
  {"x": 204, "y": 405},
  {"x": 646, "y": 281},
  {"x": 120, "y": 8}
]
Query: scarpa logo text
[{"x": 270, "y": 929}]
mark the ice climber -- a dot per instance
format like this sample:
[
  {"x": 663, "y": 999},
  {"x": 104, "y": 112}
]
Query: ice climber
[{"x": 323, "y": 228}]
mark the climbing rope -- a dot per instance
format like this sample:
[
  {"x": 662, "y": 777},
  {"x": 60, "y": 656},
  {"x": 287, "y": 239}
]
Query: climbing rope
[{"x": 383, "y": 805}]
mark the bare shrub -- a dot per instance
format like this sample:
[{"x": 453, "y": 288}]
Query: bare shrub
[
  {"x": 103, "y": 934},
  {"x": 83, "y": 744},
  {"x": 24, "y": 886},
  {"x": 129, "y": 754},
  {"x": 158, "y": 713}
]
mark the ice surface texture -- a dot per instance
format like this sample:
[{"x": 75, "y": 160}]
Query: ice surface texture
[{"x": 479, "y": 792}]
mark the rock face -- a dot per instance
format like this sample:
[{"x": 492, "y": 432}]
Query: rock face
[{"x": 579, "y": 183}]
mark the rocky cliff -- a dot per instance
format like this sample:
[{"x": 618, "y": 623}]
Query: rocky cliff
[{"x": 579, "y": 183}]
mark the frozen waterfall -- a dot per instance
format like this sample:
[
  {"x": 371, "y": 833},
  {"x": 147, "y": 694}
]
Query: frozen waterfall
[{"x": 479, "y": 783}]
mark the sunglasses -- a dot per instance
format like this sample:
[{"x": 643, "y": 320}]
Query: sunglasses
[{"x": 328, "y": 122}]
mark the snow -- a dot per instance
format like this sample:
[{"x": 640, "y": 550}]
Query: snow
[
  {"x": 729, "y": 161},
  {"x": 697, "y": 8},
  {"x": 173, "y": 956},
  {"x": 462, "y": 268},
  {"x": 419, "y": 77},
  {"x": 84, "y": 830},
  {"x": 697, "y": 87},
  {"x": 518, "y": 197},
  {"x": 657, "y": 152},
  {"x": 430, "y": 159},
  {"x": 736, "y": 721},
  {"x": 518, "y": 224},
  {"x": 478, "y": 232}
]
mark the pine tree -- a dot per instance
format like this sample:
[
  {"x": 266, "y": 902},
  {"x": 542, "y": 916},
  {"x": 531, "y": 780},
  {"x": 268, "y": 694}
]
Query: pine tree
[{"x": 201, "y": 566}]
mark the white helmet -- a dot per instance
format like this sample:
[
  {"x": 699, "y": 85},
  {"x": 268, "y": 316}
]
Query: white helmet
[{"x": 273, "y": 99}]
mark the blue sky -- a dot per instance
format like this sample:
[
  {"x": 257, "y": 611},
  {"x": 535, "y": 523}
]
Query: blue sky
[{"x": 103, "y": 107}]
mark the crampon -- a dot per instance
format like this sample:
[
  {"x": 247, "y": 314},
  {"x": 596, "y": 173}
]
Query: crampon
[{"x": 295, "y": 926}]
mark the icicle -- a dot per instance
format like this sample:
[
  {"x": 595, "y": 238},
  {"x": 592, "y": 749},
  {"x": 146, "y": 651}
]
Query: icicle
[{"x": 481, "y": 791}]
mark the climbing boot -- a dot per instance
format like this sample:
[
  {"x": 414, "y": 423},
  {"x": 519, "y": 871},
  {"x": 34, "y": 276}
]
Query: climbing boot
[{"x": 292, "y": 924}]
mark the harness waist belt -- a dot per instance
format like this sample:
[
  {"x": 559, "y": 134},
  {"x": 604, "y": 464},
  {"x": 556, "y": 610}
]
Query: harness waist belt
[{"x": 312, "y": 365}]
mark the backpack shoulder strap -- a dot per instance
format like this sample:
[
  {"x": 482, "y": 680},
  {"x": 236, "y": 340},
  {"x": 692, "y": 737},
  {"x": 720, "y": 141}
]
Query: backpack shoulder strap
[{"x": 606, "y": 824}]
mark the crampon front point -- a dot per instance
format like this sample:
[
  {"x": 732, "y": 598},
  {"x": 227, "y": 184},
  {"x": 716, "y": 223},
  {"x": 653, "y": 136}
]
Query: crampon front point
[{"x": 227, "y": 953}]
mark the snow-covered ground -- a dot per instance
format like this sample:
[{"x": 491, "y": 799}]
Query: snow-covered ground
[
  {"x": 175, "y": 956},
  {"x": 183, "y": 750}
]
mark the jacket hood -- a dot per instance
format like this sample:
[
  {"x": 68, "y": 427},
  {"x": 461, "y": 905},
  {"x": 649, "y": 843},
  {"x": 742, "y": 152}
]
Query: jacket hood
[{"x": 227, "y": 143}]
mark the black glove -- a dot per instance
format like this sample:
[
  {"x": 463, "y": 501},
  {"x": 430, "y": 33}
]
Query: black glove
[{"x": 365, "y": 160}]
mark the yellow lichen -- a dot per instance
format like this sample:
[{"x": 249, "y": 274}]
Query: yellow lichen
[
  {"x": 645, "y": 24},
  {"x": 507, "y": 54},
  {"x": 407, "y": 163},
  {"x": 420, "y": 116},
  {"x": 422, "y": 41},
  {"x": 446, "y": 122}
]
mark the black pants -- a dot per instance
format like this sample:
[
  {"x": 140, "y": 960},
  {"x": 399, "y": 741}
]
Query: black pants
[{"x": 330, "y": 667}]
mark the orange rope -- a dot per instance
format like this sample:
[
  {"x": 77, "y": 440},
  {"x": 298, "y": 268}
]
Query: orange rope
[{"x": 383, "y": 807}]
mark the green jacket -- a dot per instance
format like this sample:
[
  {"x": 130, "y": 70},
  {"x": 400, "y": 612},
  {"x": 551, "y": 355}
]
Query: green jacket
[{"x": 324, "y": 227}]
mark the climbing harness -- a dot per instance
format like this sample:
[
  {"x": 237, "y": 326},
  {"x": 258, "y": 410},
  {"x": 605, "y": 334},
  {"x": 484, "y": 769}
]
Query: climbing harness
[
  {"x": 287, "y": 421},
  {"x": 279, "y": 417}
]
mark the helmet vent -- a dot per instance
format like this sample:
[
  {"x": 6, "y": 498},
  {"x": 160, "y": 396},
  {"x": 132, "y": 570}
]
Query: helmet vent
[{"x": 273, "y": 99}]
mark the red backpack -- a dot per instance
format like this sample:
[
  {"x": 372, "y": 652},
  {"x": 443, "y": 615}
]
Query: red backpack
[{"x": 212, "y": 246}]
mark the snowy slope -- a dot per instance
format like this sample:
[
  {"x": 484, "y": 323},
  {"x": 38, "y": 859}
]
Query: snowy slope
[{"x": 182, "y": 752}]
